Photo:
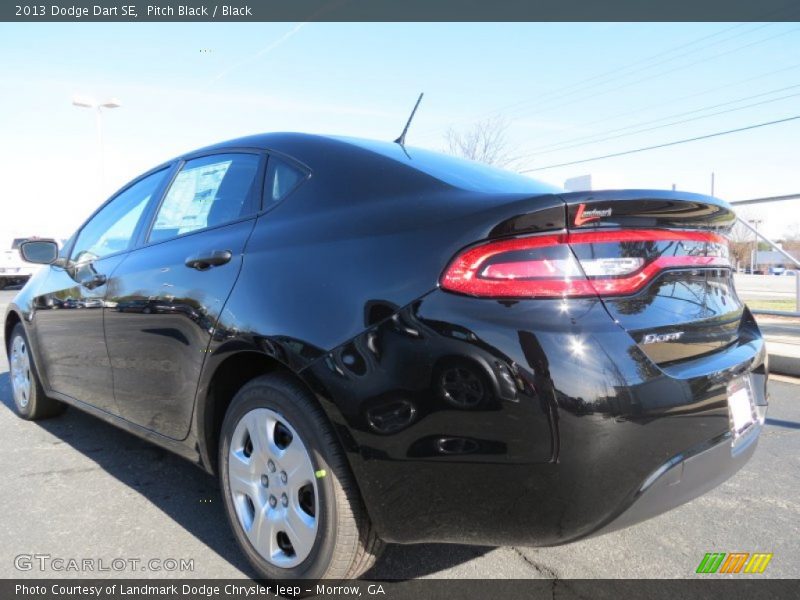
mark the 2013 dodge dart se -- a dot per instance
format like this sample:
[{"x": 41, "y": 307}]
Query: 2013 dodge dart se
[{"x": 372, "y": 343}]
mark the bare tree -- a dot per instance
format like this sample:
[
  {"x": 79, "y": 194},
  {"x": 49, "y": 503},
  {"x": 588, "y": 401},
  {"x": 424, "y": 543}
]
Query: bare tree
[
  {"x": 743, "y": 241},
  {"x": 791, "y": 240},
  {"x": 486, "y": 141}
]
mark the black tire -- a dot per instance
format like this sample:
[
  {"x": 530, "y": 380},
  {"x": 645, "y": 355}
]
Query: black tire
[
  {"x": 38, "y": 405},
  {"x": 345, "y": 545}
]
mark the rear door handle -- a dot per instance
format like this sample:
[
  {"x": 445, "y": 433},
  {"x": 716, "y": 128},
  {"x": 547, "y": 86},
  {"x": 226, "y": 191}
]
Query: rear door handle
[
  {"x": 94, "y": 281},
  {"x": 206, "y": 260}
]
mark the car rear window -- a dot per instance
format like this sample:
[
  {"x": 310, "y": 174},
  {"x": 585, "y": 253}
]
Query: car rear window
[{"x": 457, "y": 172}]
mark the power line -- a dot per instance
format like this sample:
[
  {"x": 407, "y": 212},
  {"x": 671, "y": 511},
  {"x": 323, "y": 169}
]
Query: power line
[
  {"x": 620, "y": 73},
  {"x": 589, "y": 137},
  {"x": 661, "y": 74},
  {"x": 669, "y": 102},
  {"x": 606, "y": 74},
  {"x": 614, "y": 74},
  {"x": 561, "y": 147},
  {"x": 675, "y": 143}
]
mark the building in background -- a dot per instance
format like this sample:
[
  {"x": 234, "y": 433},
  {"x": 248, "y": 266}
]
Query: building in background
[{"x": 582, "y": 183}]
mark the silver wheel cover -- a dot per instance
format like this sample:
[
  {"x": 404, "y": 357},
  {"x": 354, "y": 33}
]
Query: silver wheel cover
[
  {"x": 20, "y": 372},
  {"x": 272, "y": 484}
]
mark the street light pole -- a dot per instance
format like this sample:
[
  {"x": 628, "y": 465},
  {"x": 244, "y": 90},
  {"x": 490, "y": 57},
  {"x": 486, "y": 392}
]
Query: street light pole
[{"x": 85, "y": 102}]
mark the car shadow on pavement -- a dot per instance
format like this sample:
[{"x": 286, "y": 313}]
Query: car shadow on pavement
[
  {"x": 783, "y": 423},
  {"x": 191, "y": 497}
]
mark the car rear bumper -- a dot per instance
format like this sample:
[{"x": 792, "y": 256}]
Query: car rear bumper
[
  {"x": 570, "y": 438},
  {"x": 687, "y": 476}
]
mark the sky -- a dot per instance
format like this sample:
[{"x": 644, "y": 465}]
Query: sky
[{"x": 567, "y": 92}]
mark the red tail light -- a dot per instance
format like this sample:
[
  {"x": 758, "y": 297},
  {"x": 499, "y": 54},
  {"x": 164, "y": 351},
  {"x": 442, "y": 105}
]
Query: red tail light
[{"x": 604, "y": 263}]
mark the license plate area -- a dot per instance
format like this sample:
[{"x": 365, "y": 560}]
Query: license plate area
[{"x": 741, "y": 406}]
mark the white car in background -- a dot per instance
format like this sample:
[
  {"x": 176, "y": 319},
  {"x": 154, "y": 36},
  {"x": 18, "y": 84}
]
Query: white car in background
[{"x": 13, "y": 270}]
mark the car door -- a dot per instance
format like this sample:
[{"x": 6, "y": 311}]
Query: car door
[
  {"x": 165, "y": 299},
  {"x": 68, "y": 312}
]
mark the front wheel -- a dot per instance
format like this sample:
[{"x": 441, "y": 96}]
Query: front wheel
[
  {"x": 288, "y": 491},
  {"x": 29, "y": 397}
]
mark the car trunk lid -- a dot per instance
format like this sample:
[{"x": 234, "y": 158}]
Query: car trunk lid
[{"x": 659, "y": 261}]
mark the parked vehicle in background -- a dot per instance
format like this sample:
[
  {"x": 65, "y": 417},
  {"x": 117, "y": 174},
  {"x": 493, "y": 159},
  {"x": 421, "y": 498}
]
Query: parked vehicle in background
[{"x": 14, "y": 270}]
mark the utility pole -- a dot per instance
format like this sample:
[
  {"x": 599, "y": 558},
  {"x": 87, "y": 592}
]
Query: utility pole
[
  {"x": 712, "y": 183},
  {"x": 756, "y": 223}
]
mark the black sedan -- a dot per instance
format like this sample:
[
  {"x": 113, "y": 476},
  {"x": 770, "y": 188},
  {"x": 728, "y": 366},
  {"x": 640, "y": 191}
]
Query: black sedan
[{"x": 372, "y": 343}]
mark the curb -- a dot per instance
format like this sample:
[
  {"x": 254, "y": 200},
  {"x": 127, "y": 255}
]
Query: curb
[
  {"x": 783, "y": 356},
  {"x": 784, "y": 365}
]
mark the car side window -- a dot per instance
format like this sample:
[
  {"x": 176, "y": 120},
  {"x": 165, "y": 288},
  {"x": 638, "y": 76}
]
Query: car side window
[
  {"x": 207, "y": 191},
  {"x": 281, "y": 179},
  {"x": 112, "y": 228}
]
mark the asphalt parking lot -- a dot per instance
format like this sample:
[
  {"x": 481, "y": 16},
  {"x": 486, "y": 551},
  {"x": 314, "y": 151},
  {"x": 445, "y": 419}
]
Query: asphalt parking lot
[{"x": 75, "y": 487}]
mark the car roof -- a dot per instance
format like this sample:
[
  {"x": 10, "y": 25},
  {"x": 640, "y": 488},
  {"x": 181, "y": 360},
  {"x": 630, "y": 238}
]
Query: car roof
[{"x": 318, "y": 151}]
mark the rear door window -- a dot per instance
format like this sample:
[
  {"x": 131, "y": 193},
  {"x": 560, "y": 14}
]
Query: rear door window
[{"x": 206, "y": 192}]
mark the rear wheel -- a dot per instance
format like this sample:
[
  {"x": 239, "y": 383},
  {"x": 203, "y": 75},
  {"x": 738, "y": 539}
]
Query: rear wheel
[
  {"x": 29, "y": 397},
  {"x": 288, "y": 491}
]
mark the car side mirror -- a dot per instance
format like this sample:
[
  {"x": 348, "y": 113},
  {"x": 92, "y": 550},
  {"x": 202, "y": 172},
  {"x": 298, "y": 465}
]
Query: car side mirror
[{"x": 40, "y": 252}]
